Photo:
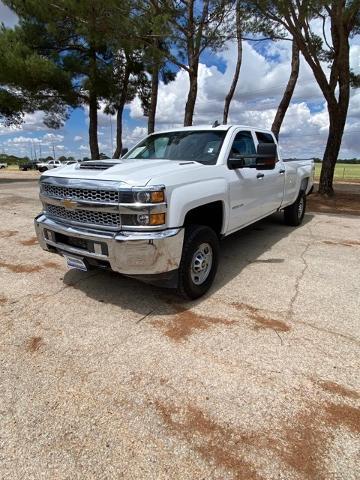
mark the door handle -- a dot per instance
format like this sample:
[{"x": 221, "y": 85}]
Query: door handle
[
  {"x": 282, "y": 171},
  {"x": 260, "y": 175}
]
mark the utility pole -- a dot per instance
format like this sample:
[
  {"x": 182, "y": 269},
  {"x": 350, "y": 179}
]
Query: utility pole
[{"x": 53, "y": 149}]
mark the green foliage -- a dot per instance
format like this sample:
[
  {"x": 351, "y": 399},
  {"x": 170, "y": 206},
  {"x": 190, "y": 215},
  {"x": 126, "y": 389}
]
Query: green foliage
[{"x": 29, "y": 82}]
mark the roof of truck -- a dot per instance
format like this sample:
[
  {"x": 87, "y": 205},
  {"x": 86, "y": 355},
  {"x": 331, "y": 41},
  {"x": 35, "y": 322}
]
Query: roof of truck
[{"x": 210, "y": 127}]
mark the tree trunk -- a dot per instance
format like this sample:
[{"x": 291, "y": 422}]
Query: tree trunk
[
  {"x": 154, "y": 97},
  {"x": 93, "y": 126},
  {"x": 235, "y": 79},
  {"x": 120, "y": 110},
  {"x": 337, "y": 117},
  {"x": 289, "y": 90},
  {"x": 190, "y": 103},
  {"x": 119, "y": 114}
]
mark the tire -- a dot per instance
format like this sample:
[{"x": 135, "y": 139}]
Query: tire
[
  {"x": 294, "y": 214},
  {"x": 199, "y": 261}
]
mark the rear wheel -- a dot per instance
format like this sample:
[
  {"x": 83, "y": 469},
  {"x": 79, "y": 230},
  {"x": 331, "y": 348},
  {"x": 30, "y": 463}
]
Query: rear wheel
[
  {"x": 294, "y": 214},
  {"x": 199, "y": 261}
]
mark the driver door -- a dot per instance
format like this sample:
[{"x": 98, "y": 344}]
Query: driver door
[{"x": 245, "y": 186}]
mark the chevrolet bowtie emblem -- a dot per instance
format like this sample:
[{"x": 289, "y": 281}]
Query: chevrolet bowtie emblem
[{"x": 67, "y": 203}]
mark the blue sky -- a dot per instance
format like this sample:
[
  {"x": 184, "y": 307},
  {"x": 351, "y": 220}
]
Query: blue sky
[{"x": 263, "y": 76}]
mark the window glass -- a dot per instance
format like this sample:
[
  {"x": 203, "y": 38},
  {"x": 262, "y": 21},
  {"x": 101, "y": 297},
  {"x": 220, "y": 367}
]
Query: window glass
[
  {"x": 199, "y": 146},
  {"x": 243, "y": 145},
  {"x": 264, "y": 137}
]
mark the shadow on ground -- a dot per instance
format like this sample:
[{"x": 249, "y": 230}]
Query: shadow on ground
[{"x": 237, "y": 251}]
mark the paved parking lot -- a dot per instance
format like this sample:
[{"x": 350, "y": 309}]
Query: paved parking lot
[{"x": 102, "y": 377}]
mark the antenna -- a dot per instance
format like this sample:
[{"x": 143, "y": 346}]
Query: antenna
[{"x": 215, "y": 124}]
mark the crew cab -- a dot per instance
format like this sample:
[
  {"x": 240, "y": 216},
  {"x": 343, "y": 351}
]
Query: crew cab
[{"x": 159, "y": 212}]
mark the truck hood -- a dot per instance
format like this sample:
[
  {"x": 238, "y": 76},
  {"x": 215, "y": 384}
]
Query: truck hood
[{"x": 131, "y": 172}]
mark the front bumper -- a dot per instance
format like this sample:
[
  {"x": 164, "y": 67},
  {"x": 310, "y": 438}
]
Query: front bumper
[{"x": 127, "y": 252}]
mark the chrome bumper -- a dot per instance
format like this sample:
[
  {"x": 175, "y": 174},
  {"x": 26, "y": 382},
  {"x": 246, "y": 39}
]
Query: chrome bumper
[{"x": 128, "y": 252}]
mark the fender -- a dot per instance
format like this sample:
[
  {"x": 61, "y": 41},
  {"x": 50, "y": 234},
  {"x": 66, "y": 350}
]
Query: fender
[{"x": 187, "y": 197}]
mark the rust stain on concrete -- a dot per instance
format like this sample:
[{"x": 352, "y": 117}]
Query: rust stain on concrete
[
  {"x": 20, "y": 268},
  {"x": 216, "y": 444},
  {"x": 23, "y": 268},
  {"x": 337, "y": 389},
  {"x": 261, "y": 319},
  {"x": 186, "y": 322},
  {"x": 29, "y": 242},
  {"x": 33, "y": 344},
  {"x": 300, "y": 444},
  {"x": 8, "y": 233}
]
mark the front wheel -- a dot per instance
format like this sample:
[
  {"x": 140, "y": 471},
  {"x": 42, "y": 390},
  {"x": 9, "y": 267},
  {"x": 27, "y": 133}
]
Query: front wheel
[
  {"x": 294, "y": 213},
  {"x": 199, "y": 261}
]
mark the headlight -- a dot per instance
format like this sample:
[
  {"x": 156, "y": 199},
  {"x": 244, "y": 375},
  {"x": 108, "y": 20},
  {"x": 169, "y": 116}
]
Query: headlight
[{"x": 149, "y": 196}]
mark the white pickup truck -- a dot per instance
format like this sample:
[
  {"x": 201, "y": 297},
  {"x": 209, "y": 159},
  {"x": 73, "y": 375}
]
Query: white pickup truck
[{"x": 158, "y": 213}]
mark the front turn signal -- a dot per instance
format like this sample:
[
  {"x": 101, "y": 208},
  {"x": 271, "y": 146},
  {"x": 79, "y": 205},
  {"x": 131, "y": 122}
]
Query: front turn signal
[
  {"x": 157, "y": 197},
  {"x": 157, "y": 219}
]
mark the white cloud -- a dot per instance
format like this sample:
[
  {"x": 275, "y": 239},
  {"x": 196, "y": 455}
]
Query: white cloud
[
  {"x": 261, "y": 85},
  {"x": 78, "y": 138}
]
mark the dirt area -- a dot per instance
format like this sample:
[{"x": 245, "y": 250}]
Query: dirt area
[
  {"x": 102, "y": 377},
  {"x": 343, "y": 203}
]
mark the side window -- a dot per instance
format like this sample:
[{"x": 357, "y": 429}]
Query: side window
[
  {"x": 264, "y": 137},
  {"x": 243, "y": 145},
  {"x": 51, "y": 162}
]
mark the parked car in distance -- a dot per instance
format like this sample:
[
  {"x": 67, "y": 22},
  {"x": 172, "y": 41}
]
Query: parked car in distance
[
  {"x": 70, "y": 162},
  {"x": 43, "y": 166},
  {"x": 31, "y": 165},
  {"x": 3, "y": 165},
  {"x": 159, "y": 213}
]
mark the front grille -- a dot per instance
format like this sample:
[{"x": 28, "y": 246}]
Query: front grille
[
  {"x": 92, "y": 195},
  {"x": 100, "y": 219}
]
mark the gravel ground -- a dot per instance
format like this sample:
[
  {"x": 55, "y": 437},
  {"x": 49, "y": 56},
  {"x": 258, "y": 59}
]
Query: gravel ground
[{"x": 102, "y": 377}]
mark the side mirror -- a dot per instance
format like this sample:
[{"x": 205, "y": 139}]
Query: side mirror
[
  {"x": 266, "y": 156},
  {"x": 236, "y": 162},
  {"x": 264, "y": 159}
]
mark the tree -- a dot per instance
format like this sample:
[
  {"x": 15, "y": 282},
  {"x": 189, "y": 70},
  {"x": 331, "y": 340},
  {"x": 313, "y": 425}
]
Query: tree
[
  {"x": 289, "y": 90},
  {"x": 323, "y": 55},
  {"x": 194, "y": 26},
  {"x": 30, "y": 82},
  {"x": 238, "y": 29},
  {"x": 77, "y": 36},
  {"x": 128, "y": 79}
]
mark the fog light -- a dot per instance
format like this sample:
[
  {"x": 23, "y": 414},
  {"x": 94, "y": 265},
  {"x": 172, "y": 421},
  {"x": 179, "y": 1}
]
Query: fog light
[
  {"x": 143, "y": 219},
  {"x": 157, "y": 219}
]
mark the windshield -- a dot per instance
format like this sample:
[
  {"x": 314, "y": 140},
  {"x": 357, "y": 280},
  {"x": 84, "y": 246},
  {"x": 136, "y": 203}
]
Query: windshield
[{"x": 198, "y": 146}]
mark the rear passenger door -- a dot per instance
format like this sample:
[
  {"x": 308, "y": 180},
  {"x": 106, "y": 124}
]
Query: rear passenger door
[{"x": 272, "y": 180}]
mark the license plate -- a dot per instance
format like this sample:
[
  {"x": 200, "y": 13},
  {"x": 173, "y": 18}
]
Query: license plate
[{"x": 75, "y": 262}]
